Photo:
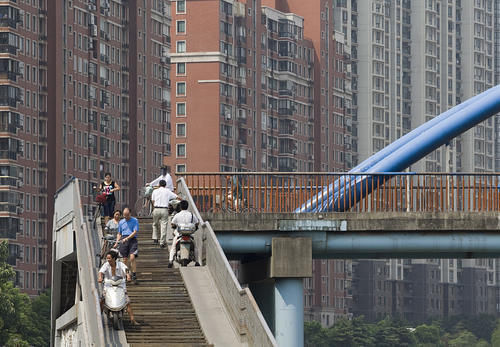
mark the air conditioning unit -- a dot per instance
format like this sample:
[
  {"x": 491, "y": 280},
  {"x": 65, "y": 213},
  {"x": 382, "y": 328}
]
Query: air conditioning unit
[
  {"x": 106, "y": 83},
  {"x": 107, "y": 154},
  {"x": 93, "y": 30},
  {"x": 91, "y": 45},
  {"x": 228, "y": 116}
]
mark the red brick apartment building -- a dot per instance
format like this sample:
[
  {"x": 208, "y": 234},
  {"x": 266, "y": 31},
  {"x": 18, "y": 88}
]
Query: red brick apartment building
[{"x": 84, "y": 89}]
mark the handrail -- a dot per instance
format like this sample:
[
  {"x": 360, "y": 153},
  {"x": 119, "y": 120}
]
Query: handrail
[
  {"x": 315, "y": 173},
  {"x": 240, "y": 303},
  {"x": 363, "y": 192}
]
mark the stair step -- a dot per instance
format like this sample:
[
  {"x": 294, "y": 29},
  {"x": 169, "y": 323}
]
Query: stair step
[{"x": 160, "y": 301}]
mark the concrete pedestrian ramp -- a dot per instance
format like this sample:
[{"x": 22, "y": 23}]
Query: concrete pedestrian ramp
[{"x": 209, "y": 306}]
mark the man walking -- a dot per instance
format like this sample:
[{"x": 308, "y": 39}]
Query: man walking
[
  {"x": 160, "y": 199},
  {"x": 127, "y": 233}
]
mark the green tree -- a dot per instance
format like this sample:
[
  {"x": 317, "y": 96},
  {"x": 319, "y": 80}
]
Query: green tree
[
  {"x": 22, "y": 322},
  {"x": 495, "y": 337},
  {"x": 464, "y": 339},
  {"x": 315, "y": 335},
  {"x": 427, "y": 335},
  {"x": 393, "y": 333},
  {"x": 355, "y": 332},
  {"x": 482, "y": 343}
]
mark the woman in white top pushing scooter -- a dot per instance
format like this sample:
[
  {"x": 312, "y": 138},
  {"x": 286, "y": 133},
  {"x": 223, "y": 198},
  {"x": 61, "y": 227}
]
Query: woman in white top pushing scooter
[{"x": 111, "y": 268}]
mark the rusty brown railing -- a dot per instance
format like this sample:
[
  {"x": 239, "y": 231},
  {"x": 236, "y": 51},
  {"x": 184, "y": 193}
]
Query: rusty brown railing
[{"x": 377, "y": 192}]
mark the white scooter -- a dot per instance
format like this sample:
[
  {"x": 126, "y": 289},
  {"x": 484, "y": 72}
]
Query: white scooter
[
  {"x": 184, "y": 253},
  {"x": 115, "y": 302}
]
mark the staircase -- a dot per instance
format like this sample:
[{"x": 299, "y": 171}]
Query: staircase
[{"x": 160, "y": 300}]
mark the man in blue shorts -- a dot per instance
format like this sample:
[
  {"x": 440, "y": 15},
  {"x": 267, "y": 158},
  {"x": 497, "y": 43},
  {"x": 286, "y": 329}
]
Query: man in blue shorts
[{"x": 127, "y": 233}]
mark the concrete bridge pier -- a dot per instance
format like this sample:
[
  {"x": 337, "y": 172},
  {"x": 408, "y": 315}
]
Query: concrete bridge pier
[{"x": 277, "y": 285}]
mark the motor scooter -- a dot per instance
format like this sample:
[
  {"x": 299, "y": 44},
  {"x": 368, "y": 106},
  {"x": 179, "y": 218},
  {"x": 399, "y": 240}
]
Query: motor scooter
[
  {"x": 184, "y": 253},
  {"x": 115, "y": 301}
]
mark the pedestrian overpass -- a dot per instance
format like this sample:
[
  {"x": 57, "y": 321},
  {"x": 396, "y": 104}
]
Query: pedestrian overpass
[{"x": 413, "y": 216}]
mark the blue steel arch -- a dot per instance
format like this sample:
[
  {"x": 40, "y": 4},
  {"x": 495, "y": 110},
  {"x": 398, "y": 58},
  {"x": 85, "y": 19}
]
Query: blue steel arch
[{"x": 409, "y": 149}]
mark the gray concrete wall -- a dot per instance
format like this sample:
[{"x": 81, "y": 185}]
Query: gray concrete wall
[{"x": 349, "y": 221}]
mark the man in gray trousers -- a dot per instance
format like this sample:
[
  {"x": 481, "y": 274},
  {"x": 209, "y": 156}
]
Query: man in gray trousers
[{"x": 160, "y": 198}]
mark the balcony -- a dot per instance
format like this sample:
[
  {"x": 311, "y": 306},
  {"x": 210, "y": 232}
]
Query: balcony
[
  {"x": 8, "y": 181},
  {"x": 8, "y": 42},
  {"x": 285, "y": 92},
  {"x": 9, "y": 16},
  {"x": 7, "y": 154}
]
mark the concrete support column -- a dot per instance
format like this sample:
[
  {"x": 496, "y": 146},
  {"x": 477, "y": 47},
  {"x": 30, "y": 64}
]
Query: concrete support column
[
  {"x": 289, "y": 312},
  {"x": 291, "y": 261}
]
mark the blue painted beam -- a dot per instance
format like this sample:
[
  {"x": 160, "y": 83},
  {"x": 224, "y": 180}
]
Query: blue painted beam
[{"x": 359, "y": 245}]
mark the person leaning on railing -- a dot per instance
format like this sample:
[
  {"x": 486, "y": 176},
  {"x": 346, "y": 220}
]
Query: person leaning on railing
[{"x": 164, "y": 176}]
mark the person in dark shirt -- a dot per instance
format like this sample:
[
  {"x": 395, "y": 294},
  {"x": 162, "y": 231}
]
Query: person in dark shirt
[{"x": 109, "y": 187}]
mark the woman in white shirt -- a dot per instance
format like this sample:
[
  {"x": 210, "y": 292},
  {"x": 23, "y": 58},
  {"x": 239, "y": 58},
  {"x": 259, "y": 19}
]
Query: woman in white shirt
[{"x": 111, "y": 268}]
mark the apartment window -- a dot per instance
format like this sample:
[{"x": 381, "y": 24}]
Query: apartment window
[
  {"x": 181, "y": 46},
  {"x": 181, "y": 6},
  {"x": 180, "y": 168},
  {"x": 181, "y": 129},
  {"x": 181, "y": 150},
  {"x": 181, "y": 68},
  {"x": 181, "y": 88},
  {"x": 181, "y": 26},
  {"x": 181, "y": 109}
]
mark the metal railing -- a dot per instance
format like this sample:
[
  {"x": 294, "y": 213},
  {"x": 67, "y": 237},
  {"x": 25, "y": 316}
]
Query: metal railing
[{"x": 356, "y": 192}]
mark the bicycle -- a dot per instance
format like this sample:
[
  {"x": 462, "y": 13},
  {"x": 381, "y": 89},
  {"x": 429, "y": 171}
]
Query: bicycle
[
  {"x": 107, "y": 245},
  {"x": 228, "y": 205},
  {"x": 143, "y": 207}
]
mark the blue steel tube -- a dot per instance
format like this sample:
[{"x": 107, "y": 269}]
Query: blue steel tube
[
  {"x": 367, "y": 244},
  {"x": 425, "y": 143},
  {"x": 289, "y": 312},
  {"x": 366, "y": 165}
]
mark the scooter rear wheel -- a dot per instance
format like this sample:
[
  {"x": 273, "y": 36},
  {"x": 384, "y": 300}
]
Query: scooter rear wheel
[{"x": 184, "y": 262}]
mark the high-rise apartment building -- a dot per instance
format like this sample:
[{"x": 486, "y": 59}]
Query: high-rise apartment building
[
  {"x": 84, "y": 90},
  {"x": 414, "y": 60},
  {"x": 23, "y": 138},
  {"x": 242, "y": 88}
]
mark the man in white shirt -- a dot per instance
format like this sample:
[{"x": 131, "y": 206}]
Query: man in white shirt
[
  {"x": 183, "y": 217},
  {"x": 164, "y": 176},
  {"x": 160, "y": 199}
]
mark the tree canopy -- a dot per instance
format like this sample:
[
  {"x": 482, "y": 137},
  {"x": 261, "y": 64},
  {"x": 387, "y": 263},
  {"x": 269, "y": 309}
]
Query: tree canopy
[
  {"x": 480, "y": 331},
  {"x": 23, "y": 321}
]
